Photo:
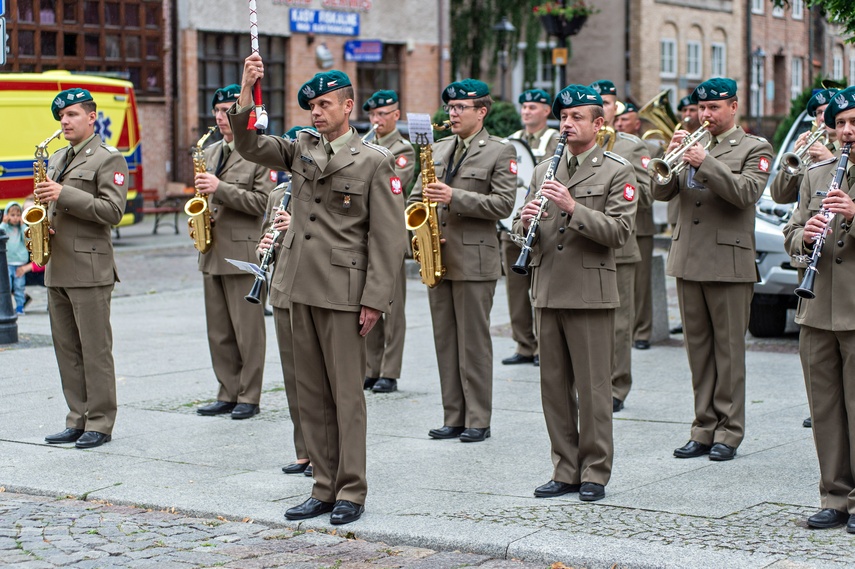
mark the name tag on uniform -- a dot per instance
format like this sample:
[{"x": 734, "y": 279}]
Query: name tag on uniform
[{"x": 306, "y": 159}]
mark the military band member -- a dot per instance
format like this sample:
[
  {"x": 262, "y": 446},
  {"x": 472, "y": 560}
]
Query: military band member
[
  {"x": 476, "y": 184},
  {"x": 634, "y": 151},
  {"x": 85, "y": 194},
  {"x": 385, "y": 343},
  {"x": 542, "y": 141},
  {"x": 592, "y": 201},
  {"x": 688, "y": 109},
  {"x": 827, "y": 334},
  {"x": 712, "y": 258},
  {"x": 237, "y": 192},
  {"x": 342, "y": 254}
]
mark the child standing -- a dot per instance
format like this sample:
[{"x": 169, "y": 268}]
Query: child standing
[{"x": 16, "y": 252}]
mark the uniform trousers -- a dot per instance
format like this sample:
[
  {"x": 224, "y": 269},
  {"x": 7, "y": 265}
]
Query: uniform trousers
[
  {"x": 237, "y": 337},
  {"x": 624, "y": 320},
  {"x": 519, "y": 300},
  {"x": 384, "y": 345},
  {"x": 643, "y": 292},
  {"x": 284, "y": 337},
  {"x": 828, "y": 361},
  {"x": 576, "y": 391},
  {"x": 83, "y": 343},
  {"x": 329, "y": 359},
  {"x": 460, "y": 312},
  {"x": 715, "y": 320}
]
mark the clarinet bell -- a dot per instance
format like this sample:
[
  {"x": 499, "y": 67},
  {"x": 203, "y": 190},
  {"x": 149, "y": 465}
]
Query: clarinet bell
[
  {"x": 254, "y": 295},
  {"x": 805, "y": 289}
]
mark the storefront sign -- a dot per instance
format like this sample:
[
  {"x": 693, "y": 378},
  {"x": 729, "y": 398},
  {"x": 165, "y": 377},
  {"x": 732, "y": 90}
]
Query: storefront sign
[
  {"x": 308, "y": 21},
  {"x": 370, "y": 51}
]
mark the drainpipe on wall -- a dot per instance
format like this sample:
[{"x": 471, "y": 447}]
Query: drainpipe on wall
[{"x": 748, "y": 57}]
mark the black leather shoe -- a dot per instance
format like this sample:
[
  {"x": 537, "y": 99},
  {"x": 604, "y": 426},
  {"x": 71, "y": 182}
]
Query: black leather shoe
[
  {"x": 369, "y": 382},
  {"x": 850, "y": 525},
  {"x": 66, "y": 436},
  {"x": 309, "y": 471},
  {"x": 92, "y": 439},
  {"x": 345, "y": 512},
  {"x": 721, "y": 451},
  {"x": 245, "y": 411},
  {"x": 591, "y": 492},
  {"x": 445, "y": 432},
  {"x": 518, "y": 359},
  {"x": 311, "y": 508},
  {"x": 829, "y": 518},
  {"x": 295, "y": 468},
  {"x": 641, "y": 345},
  {"x": 216, "y": 408},
  {"x": 807, "y": 423},
  {"x": 617, "y": 404},
  {"x": 536, "y": 361},
  {"x": 692, "y": 449},
  {"x": 385, "y": 385},
  {"x": 474, "y": 435},
  {"x": 553, "y": 489},
  {"x": 676, "y": 329}
]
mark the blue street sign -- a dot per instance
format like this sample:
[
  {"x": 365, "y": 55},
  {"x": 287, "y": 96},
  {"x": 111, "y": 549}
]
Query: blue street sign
[
  {"x": 2, "y": 7},
  {"x": 363, "y": 50},
  {"x": 308, "y": 21}
]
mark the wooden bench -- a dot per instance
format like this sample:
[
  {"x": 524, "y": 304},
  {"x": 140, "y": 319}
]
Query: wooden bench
[{"x": 172, "y": 203}]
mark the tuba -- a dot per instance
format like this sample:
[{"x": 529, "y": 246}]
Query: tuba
[
  {"x": 197, "y": 207},
  {"x": 658, "y": 112},
  {"x": 421, "y": 218},
  {"x": 36, "y": 217}
]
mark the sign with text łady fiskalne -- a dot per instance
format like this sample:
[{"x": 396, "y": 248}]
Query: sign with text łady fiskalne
[{"x": 308, "y": 21}]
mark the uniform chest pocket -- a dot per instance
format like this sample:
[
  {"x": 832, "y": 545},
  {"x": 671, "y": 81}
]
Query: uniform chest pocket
[
  {"x": 439, "y": 169},
  {"x": 589, "y": 195},
  {"x": 301, "y": 176},
  {"x": 346, "y": 277},
  {"x": 815, "y": 203},
  {"x": 239, "y": 180},
  {"x": 85, "y": 175},
  {"x": 346, "y": 196},
  {"x": 474, "y": 178}
]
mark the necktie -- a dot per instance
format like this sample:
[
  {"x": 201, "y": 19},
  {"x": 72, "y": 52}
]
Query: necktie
[
  {"x": 574, "y": 165},
  {"x": 459, "y": 153},
  {"x": 223, "y": 159},
  {"x": 328, "y": 149},
  {"x": 69, "y": 157}
]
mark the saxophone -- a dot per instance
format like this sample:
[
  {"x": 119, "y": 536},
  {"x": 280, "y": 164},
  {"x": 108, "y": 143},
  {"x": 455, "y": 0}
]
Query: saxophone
[
  {"x": 197, "y": 207},
  {"x": 35, "y": 216},
  {"x": 421, "y": 219}
]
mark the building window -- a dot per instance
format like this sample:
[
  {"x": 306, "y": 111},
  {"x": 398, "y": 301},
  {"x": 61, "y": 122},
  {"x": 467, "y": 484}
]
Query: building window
[
  {"x": 386, "y": 72},
  {"x": 837, "y": 65},
  {"x": 718, "y": 60},
  {"x": 673, "y": 98},
  {"x": 667, "y": 58},
  {"x": 757, "y": 73},
  {"x": 851, "y": 69},
  {"x": 693, "y": 59},
  {"x": 798, "y": 9},
  {"x": 94, "y": 36},
  {"x": 221, "y": 63},
  {"x": 757, "y": 6},
  {"x": 778, "y": 11},
  {"x": 797, "y": 77}
]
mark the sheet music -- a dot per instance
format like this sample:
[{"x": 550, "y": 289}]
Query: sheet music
[
  {"x": 248, "y": 267},
  {"x": 421, "y": 129}
]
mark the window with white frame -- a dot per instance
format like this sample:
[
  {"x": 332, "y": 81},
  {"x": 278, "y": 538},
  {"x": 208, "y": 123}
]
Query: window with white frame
[
  {"x": 757, "y": 6},
  {"x": 778, "y": 11},
  {"x": 798, "y": 9},
  {"x": 672, "y": 93},
  {"x": 545, "y": 69},
  {"x": 693, "y": 59},
  {"x": 757, "y": 72},
  {"x": 837, "y": 66},
  {"x": 796, "y": 77},
  {"x": 718, "y": 60},
  {"x": 851, "y": 69},
  {"x": 667, "y": 58}
]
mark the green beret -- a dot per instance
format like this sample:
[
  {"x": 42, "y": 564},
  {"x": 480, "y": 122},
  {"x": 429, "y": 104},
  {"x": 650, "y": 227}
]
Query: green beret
[
  {"x": 841, "y": 101},
  {"x": 715, "y": 89},
  {"x": 575, "y": 96},
  {"x": 535, "y": 96},
  {"x": 292, "y": 133},
  {"x": 466, "y": 89},
  {"x": 321, "y": 84},
  {"x": 67, "y": 98},
  {"x": 629, "y": 108},
  {"x": 380, "y": 99},
  {"x": 820, "y": 98},
  {"x": 685, "y": 102},
  {"x": 227, "y": 94},
  {"x": 604, "y": 87}
]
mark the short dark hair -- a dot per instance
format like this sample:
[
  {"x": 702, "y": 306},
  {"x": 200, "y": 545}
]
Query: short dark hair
[
  {"x": 89, "y": 106},
  {"x": 596, "y": 112},
  {"x": 486, "y": 101},
  {"x": 345, "y": 93}
]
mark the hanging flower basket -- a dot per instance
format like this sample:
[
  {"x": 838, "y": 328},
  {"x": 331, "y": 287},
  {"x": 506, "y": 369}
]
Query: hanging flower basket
[
  {"x": 560, "y": 27},
  {"x": 564, "y": 18}
]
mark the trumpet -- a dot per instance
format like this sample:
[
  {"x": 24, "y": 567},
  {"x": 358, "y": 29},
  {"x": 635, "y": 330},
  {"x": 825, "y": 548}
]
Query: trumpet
[
  {"x": 663, "y": 169},
  {"x": 371, "y": 134},
  {"x": 793, "y": 162},
  {"x": 254, "y": 295}
]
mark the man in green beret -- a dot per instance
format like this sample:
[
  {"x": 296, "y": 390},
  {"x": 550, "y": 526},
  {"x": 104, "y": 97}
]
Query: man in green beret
[
  {"x": 385, "y": 343},
  {"x": 590, "y": 212},
  {"x": 84, "y": 194},
  {"x": 476, "y": 182},
  {"x": 827, "y": 333},
  {"x": 712, "y": 257},
  {"x": 236, "y": 190},
  {"x": 340, "y": 259},
  {"x": 540, "y": 141}
]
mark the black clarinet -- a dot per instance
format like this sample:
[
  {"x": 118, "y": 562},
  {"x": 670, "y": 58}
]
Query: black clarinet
[
  {"x": 254, "y": 295},
  {"x": 805, "y": 289},
  {"x": 521, "y": 266}
]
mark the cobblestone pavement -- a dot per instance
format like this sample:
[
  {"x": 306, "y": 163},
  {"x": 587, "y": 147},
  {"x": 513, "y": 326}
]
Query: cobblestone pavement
[{"x": 40, "y": 533}]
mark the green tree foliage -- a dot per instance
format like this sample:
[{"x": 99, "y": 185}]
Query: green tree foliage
[
  {"x": 503, "y": 119},
  {"x": 838, "y": 11}
]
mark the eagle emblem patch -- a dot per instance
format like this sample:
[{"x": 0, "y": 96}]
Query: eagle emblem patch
[
  {"x": 395, "y": 183},
  {"x": 118, "y": 178},
  {"x": 401, "y": 161},
  {"x": 629, "y": 192},
  {"x": 764, "y": 165},
  {"x": 513, "y": 167}
]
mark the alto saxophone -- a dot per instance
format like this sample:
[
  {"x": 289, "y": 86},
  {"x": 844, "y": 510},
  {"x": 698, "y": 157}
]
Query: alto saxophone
[
  {"x": 421, "y": 218},
  {"x": 197, "y": 207},
  {"x": 35, "y": 216}
]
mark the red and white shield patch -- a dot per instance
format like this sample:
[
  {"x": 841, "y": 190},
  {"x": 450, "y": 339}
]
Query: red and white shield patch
[
  {"x": 396, "y": 185},
  {"x": 513, "y": 167},
  {"x": 274, "y": 177},
  {"x": 764, "y": 165},
  {"x": 629, "y": 192},
  {"x": 401, "y": 161},
  {"x": 645, "y": 160},
  {"x": 118, "y": 178}
]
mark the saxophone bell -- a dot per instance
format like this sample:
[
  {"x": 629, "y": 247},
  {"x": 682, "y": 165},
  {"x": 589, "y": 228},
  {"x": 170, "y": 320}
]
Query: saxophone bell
[
  {"x": 197, "y": 207},
  {"x": 35, "y": 217}
]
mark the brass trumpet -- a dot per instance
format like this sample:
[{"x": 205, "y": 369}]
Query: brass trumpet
[
  {"x": 793, "y": 162},
  {"x": 371, "y": 135},
  {"x": 663, "y": 169}
]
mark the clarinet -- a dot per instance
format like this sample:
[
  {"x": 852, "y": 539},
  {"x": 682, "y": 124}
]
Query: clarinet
[
  {"x": 521, "y": 266},
  {"x": 254, "y": 295},
  {"x": 805, "y": 289}
]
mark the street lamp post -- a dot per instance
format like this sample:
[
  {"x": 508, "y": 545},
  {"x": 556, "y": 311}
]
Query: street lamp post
[
  {"x": 503, "y": 30},
  {"x": 758, "y": 56}
]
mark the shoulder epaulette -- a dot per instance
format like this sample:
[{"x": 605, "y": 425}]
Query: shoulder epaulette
[
  {"x": 628, "y": 136},
  {"x": 381, "y": 149},
  {"x": 616, "y": 157},
  {"x": 310, "y": 131},
  {"x": 755, "y": 137},
  {"x": 495, "y": 138},
  {"x": 111, "y": 149},
  {"x": 823, "y": 163}
]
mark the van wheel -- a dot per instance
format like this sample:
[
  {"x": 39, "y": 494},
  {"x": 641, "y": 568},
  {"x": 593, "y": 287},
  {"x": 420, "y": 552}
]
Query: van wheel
[{"x": 768, "y": 316}]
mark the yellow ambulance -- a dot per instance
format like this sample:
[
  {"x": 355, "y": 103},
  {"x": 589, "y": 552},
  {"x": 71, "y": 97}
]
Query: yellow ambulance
[{"x": 26, "y": 120}]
